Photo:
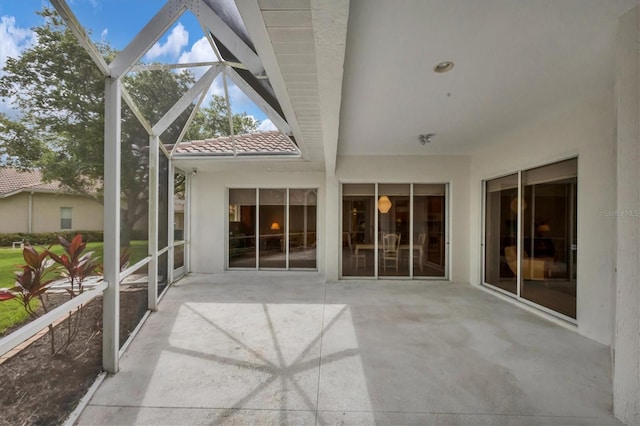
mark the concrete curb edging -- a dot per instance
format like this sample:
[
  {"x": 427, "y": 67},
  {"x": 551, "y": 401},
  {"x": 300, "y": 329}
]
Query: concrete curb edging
[{"x": 75, "y": 414}]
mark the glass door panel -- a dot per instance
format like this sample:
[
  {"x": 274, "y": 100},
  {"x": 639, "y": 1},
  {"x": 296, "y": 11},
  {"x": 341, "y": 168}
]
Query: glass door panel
[
  {"x": 501, "y": 222},
  {"x": 272, "y": 220},
  {"x": 429, "y": 230},
  {"x": 394, "y": 248},
  {"x": 549, "y": 238},
  {"x": 242, "y": 228},
  {"x": 179, "y": 202},
  {"x": 302, "y": 226},
  {"x": 358, "y": 230}
]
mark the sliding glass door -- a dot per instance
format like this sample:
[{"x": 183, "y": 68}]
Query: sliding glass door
[
  {"x": 358, "y": 230},
  {"x": 302, "y": 222},
  {"x": 393, "y": 230},
  {"x": 429, "y": 225},
  {"x": 242, "y": 228},
  {"x": 272, "y": 228},
  {"x": 501, "y": 225},
  {"x": 531, "y": 241}
]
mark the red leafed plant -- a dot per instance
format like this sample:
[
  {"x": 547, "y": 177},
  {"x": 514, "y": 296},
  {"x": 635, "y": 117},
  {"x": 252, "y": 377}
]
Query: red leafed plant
[
  {"x": 76, "y": 267},
  {"x": 37, "y": 275},
  {"x": 32, "y": 280},
  {"x": 77, "y": 264}
]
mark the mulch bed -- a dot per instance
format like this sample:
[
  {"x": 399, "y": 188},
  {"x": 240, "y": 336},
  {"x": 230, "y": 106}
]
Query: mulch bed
[{"x": 38, "y": 389}]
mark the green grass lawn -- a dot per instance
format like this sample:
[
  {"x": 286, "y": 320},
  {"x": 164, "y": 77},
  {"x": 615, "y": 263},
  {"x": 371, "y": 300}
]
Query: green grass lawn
[{"x": 11, "y": 312}]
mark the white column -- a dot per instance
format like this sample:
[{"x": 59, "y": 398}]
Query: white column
[
  {"x": 626, "y": 373},
  {"x": 154, "y": 142},
  {"x": 332, "y": 237},
  {"x": 111, "y": 299}
]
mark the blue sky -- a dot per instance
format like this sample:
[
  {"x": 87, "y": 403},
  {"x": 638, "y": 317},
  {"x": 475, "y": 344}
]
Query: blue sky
[{"x": 117, "y": 22}]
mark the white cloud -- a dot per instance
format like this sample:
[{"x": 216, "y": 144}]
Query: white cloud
[
  {"x": 103, "y": 35},
  {"x": 201, "y": 51},
  {"x": 177, "y": 40},
  {"x": 266, "y": 126},
  {"x": 13, "y": 41}
]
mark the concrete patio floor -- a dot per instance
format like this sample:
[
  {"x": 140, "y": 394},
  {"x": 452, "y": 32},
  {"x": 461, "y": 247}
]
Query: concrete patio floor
[{"x": 275, "y": 348}]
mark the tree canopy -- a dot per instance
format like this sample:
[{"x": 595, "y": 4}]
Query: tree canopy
[
  {"x": 58, "y": 93},
  {"x": 212, "y": 121}
]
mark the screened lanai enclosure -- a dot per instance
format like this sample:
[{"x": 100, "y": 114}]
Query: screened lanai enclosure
[
  {"x": 146, "y": 195},
  {"x": 349, "y": 141}
]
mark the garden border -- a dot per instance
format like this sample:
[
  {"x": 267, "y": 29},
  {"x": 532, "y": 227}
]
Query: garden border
[{"x": 27, "y": 331}]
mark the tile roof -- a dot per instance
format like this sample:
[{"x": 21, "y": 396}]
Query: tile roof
[
  {"x": 13, "y": 180},
  {"x": 261, "y": 143}
]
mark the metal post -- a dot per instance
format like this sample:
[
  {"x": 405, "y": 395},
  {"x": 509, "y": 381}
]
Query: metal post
[
  {"x": 154, "y": 142},
  {"x": 111, "y": 299}
]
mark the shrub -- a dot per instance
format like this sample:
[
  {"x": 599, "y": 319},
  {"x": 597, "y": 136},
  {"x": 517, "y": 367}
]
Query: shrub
[
  {"x": 48, "y": 238},
  {"x": 35, "y": 277}
]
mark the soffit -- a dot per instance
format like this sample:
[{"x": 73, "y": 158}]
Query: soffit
[
  {"x": 513, "y": 60},
  {"x": 289, "y": 28}
]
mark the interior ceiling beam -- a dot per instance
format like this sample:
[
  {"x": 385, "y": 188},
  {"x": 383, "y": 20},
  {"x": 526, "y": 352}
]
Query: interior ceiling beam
[
  {"x": 178, "y": 108},
  {"x": 228, "y": 37},
  {"x": 254, "y": 22},
  {"x": 329, "y": 20},
  {"x": 275, "y": 118},
  {"x": 81, "y": 35},
  {"x": 147, "y": 37}
]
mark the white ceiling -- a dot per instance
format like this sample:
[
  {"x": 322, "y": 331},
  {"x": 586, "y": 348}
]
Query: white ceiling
[{"x": 513, "y": 59}]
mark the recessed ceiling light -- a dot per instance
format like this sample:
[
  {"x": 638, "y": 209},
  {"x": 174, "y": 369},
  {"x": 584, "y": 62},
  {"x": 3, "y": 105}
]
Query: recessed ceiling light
[{"x": 443, "y": 67}]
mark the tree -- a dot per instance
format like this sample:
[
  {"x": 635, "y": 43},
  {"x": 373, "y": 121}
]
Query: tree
[
  {"x": 212, "y": 121},
  {"x": 21, "y": 156},
  {"x": 59, "y": 92}
]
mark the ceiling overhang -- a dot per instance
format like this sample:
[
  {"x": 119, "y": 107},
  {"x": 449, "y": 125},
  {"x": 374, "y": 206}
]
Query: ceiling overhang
[{"x": 302, "y": 47}]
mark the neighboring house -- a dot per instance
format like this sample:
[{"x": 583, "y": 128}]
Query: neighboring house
[{"x": 30, "y": 205}]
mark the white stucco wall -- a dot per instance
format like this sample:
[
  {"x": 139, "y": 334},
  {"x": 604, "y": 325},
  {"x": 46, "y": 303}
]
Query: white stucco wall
[
  {"x": 86, "y": 213},
  {"x": 585, "y": 129},
  {"x": 453, "y": 170},
  {"x": 209, "y": 207},
  {"x": 14, "y": 214}
]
